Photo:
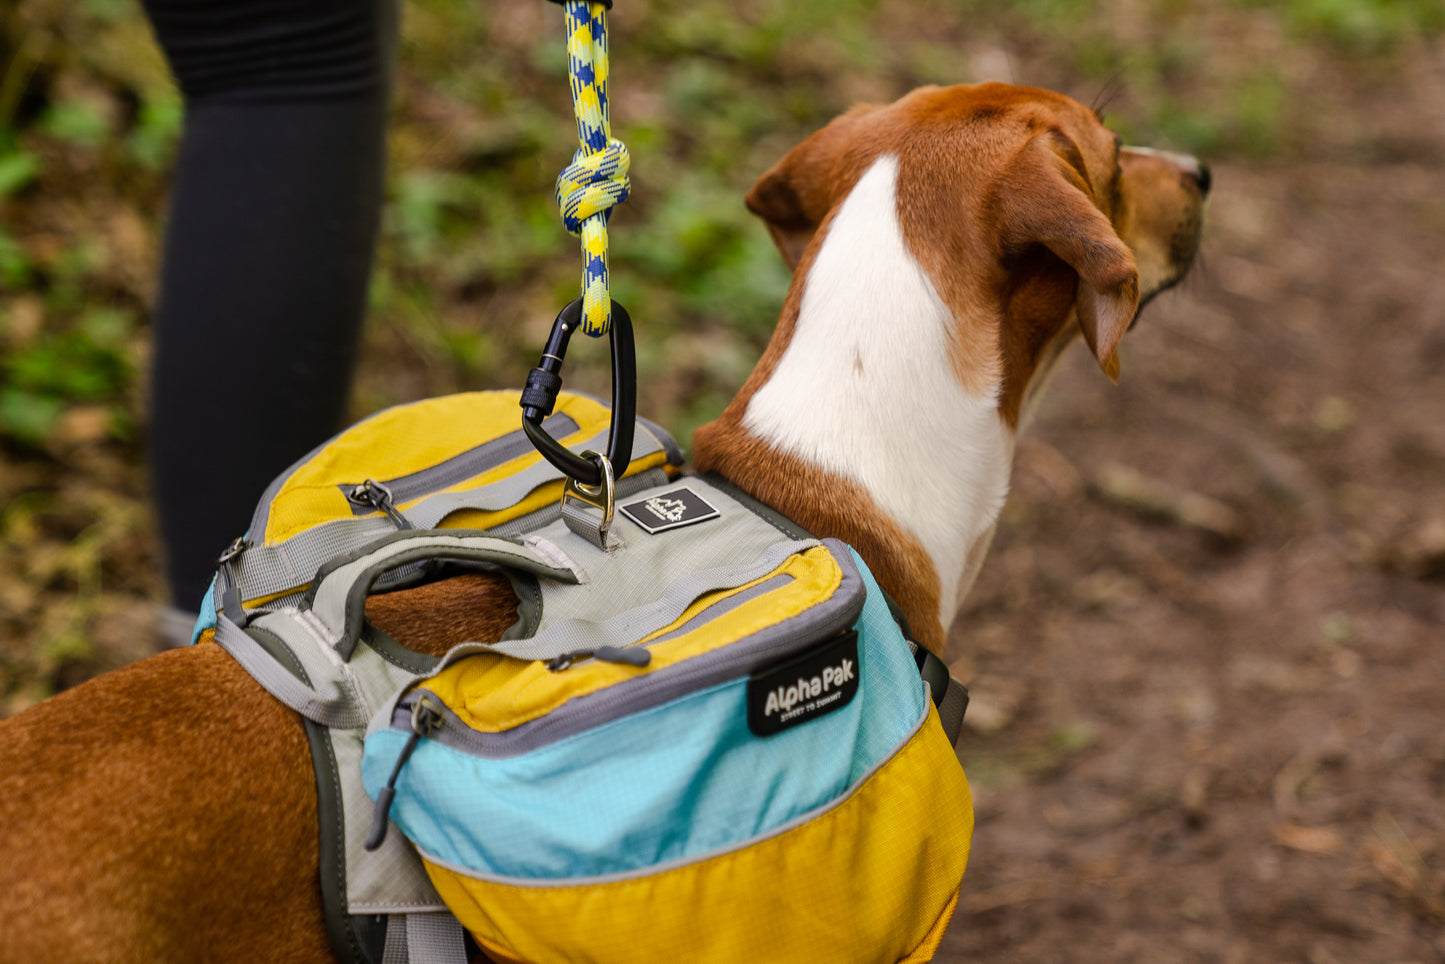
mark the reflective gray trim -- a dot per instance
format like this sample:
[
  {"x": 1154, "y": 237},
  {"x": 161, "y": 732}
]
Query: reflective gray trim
[{"x": 667, "y": 865}]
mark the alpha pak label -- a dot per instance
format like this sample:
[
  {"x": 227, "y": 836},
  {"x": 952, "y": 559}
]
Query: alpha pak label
[
  {"x": 804, "y": 688},
  {"x": 670, "y": 510}
]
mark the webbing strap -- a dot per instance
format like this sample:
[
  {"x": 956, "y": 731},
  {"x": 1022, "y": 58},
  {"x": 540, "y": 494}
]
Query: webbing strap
[
  {"x": 951, "y": 709},
  {"x": 949, "y": 695},
  {"x": 341, "y": 710},
  {"x": 596, "y": 180},
  {"x": 424, "y": 939}
]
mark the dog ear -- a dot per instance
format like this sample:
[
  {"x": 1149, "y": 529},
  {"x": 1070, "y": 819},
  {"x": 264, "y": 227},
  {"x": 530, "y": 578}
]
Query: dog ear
[
  {"x": 1048, "y": 200},
  {"x": 798, "y": 192}
]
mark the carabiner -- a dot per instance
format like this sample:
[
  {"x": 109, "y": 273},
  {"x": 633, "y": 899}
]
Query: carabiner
[{"x": 545, "y": 381}]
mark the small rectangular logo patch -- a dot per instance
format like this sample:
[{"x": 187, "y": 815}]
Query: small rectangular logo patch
[
  {"x": 822, "y": 680},
  {"x": 670, "y": 510}
]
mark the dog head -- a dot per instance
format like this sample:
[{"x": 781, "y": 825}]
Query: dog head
[{"x": 1022, "y": 208}]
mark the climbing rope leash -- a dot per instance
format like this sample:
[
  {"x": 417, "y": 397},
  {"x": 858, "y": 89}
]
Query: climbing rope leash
[
  {"x": 587, "y": 190},
  {"x": 596, "y": 180}
]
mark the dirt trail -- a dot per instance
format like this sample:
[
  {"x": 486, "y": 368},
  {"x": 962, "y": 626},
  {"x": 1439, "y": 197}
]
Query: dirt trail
[{"x": 1206, "y": 654}]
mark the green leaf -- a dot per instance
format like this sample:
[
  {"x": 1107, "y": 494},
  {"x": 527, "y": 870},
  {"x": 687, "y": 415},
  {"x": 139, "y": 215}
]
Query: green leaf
[{"x": 16, "y": 171}]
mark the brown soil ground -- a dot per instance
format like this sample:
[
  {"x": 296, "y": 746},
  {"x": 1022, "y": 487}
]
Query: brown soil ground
[{"x": 1211, "y": 729}]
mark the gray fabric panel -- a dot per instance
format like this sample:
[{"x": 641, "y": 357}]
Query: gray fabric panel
[
  {"x": 629, "y": 626},
  {"x": 434, "y": 939},
  {"x": 391, "y": 878},
  {"x": 638, "y": 572},
  {"x": 331, "y": 602},
  {"x": 338, "y": 709}
]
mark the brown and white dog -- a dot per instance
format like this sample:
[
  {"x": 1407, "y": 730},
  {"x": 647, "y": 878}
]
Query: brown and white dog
[{"x": 947, "y": 247}]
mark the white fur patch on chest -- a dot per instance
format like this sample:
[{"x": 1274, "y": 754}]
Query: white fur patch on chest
[{"x": 865, "y": 387}]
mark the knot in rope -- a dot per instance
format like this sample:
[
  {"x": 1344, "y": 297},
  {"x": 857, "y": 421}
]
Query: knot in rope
[
  {"x": 592, "y": 184},
  {"x": 597, "y": 177}
]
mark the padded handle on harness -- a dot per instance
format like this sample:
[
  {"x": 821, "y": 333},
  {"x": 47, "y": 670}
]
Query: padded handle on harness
[{"x": 337, "y": 596}]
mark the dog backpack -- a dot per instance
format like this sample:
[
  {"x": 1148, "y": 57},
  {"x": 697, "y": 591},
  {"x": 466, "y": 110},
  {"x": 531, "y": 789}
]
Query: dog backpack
[{"x": 710, "y": 740}]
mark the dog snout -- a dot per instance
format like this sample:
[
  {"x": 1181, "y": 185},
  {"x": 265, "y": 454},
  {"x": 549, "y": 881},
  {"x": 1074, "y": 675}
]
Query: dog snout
[
  {"x": 1202, "y": 178},
  {"x": 1189, "y": 167}
]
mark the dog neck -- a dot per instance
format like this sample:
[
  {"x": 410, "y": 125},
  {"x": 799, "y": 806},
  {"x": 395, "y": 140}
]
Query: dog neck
[{"x": 855, "y": 422}]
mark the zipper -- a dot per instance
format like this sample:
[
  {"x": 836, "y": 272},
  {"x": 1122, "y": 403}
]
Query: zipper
[
  {"x": 472, "y": 462},
  {"x": 427, "y": 716},
  {"x": 378, "y": 496}
]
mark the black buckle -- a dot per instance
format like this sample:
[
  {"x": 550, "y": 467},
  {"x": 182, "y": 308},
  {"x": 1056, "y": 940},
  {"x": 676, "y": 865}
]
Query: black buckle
[{"x": 545, "y": 381}]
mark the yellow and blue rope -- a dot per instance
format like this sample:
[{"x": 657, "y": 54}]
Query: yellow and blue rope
[{"x": 596, "y": 180}]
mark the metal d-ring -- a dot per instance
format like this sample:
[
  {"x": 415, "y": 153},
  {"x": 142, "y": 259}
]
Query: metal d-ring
[{"x": 545, "y": 381}]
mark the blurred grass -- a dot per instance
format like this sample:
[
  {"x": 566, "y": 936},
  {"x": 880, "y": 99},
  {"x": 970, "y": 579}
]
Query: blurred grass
[{"x": 473, "y": 262}]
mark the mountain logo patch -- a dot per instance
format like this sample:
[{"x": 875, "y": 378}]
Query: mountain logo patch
[{"x": 670, "y": 510}]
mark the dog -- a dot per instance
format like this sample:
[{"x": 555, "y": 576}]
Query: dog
[{"x": 947, "y": 248}]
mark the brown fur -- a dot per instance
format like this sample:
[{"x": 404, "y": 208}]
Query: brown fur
[{"x": 166, "y": 812}]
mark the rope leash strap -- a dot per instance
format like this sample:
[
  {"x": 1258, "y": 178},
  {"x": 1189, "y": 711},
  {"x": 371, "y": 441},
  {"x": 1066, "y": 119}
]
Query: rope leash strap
[{"x": 597, "y": 179}]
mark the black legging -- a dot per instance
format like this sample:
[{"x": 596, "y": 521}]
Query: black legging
[{"x": 273, "y": 224}]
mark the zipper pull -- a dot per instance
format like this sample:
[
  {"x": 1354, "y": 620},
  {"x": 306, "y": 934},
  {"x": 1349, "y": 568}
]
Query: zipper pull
[
  {"x": 631, "y": 656},
  {"x": 376, "y": 495},
  {"x": 426, "y": 719}
]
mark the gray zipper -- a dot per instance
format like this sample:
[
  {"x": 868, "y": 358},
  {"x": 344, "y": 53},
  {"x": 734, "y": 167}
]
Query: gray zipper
[{"x": 733, "y": 661}]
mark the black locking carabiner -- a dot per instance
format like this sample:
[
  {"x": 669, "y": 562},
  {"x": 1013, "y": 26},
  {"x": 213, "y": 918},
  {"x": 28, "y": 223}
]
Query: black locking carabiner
[{"x": 545, "y": 381}]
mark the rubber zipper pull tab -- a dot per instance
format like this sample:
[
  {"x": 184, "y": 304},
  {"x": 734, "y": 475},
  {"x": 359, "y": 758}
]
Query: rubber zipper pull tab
[
  {"x": 426, "y": 719},
  {"x": 631, "y": 656},
  {"x": 376, "y": 495}
]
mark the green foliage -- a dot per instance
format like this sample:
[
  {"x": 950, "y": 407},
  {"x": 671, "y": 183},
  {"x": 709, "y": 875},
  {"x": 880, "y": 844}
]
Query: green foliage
[
  {"x": 88, "y": 362},
  {"x": 16, "y": 170},
  {"x": 152, "y": 142},
  {"x": 15, "y": 268},
  {"x": 1370, "y": 27},
  {"x": 78, "y": 123}
]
